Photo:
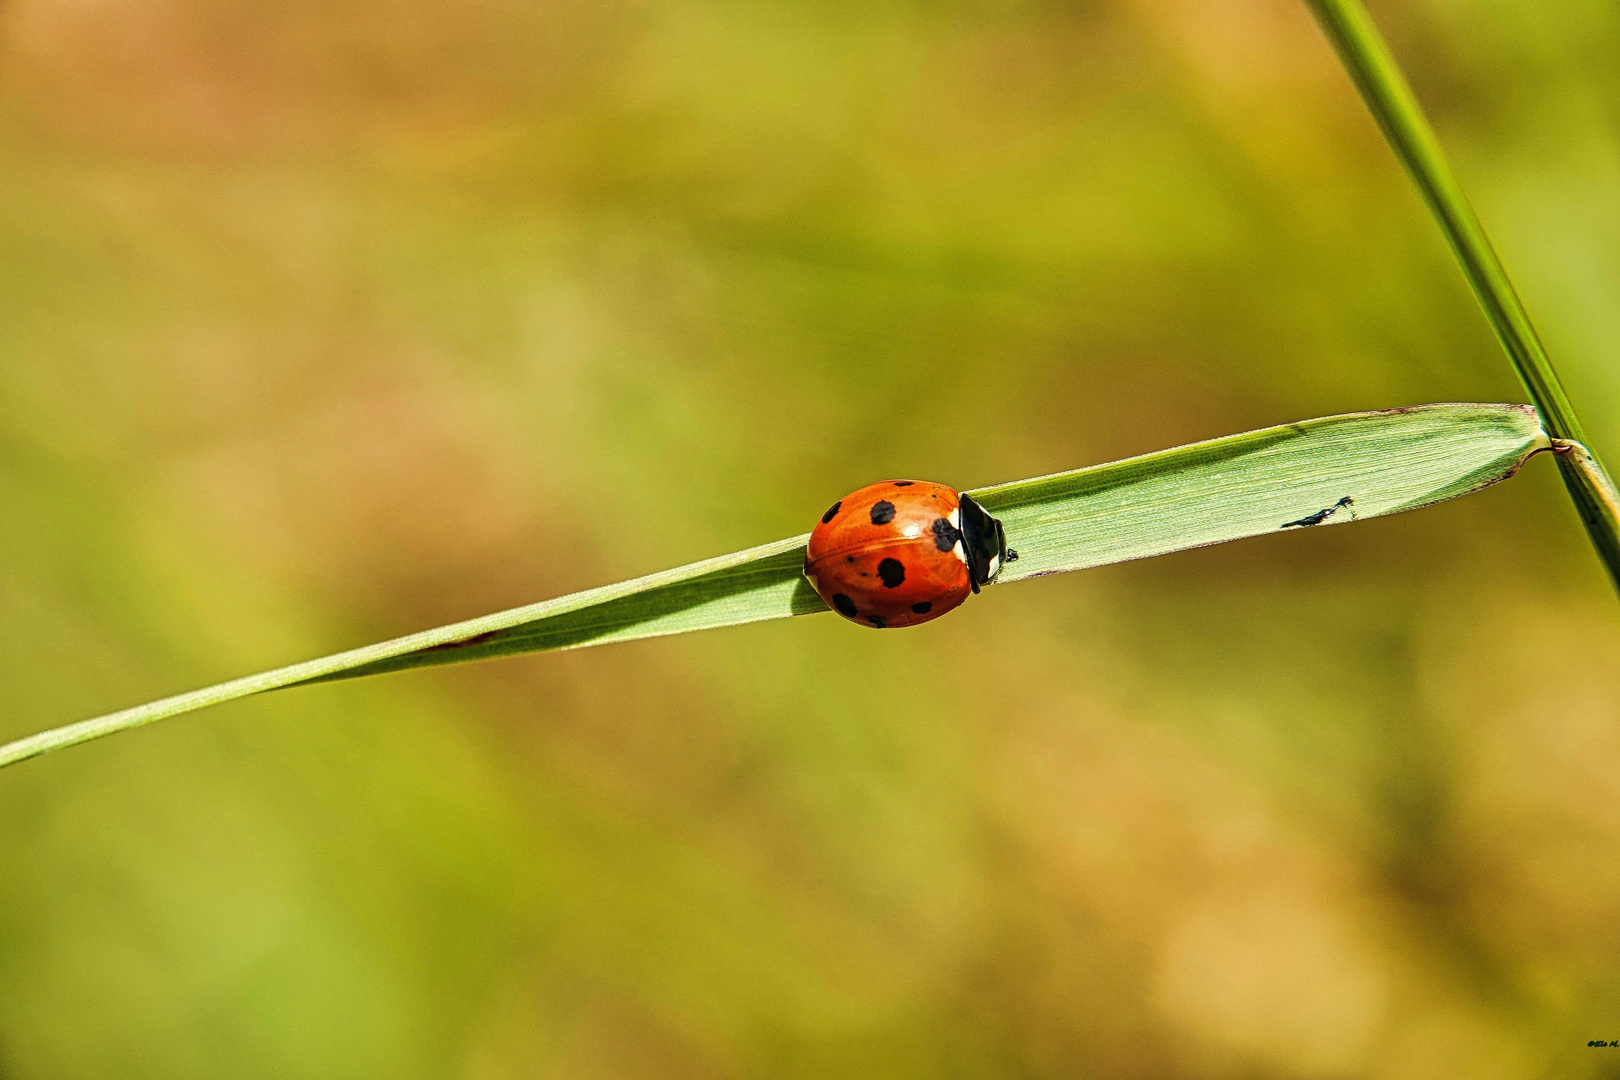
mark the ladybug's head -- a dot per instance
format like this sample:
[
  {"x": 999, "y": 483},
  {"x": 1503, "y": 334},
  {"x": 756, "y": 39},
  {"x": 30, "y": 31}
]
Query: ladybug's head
[{"x": 985, "y": 542}]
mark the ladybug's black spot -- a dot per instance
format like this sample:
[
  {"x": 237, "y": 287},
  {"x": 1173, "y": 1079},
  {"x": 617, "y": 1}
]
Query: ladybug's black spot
[
  {"x": 904, "y": 483},
  {"x": 893, "y": 572},
  {"x": 845, "y": 606},
  {"x": 882, "y": 512},
  {"x": 878, "y": 621},
  {"x": 923, "y": 608},
  {"x": 945, "y": 534},
  {"x": 828, "y": 516},
  {"x": 849, "y": 558}
]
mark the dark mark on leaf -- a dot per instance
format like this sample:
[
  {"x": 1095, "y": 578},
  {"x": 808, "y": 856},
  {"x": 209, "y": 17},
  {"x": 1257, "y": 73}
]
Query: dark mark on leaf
[
  {"x": 476, "y": 639},
  {"x": 1322, "y": 515}
]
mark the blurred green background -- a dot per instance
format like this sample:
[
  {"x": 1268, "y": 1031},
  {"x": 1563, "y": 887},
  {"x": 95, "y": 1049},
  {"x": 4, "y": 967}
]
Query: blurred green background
[{"x": 322, "y": 321}]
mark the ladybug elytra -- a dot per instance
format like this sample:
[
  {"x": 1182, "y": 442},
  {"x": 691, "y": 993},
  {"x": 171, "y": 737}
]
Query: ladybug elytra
[{"x": 902, "y": 552}]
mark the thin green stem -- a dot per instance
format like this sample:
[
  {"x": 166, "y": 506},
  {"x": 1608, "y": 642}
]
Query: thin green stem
[{"x": 1373, "y": 68}]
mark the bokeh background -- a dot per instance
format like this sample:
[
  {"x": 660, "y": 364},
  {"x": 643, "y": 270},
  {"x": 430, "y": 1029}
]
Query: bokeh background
[{"x": 322, "y": 321}]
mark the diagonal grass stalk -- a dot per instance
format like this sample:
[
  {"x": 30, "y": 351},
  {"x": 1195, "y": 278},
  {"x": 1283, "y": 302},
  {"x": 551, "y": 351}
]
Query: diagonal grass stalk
[
  {"x": 1330, "y": 471},
  {"x": 1393, "y": 104}
]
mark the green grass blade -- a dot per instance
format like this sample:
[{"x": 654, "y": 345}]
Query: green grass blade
[
  {"x": 1393, "y": 104},
  {"x": 1224, "y": 489}
]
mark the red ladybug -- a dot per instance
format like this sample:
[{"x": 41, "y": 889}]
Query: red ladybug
[{"x": 901, "y": 552}]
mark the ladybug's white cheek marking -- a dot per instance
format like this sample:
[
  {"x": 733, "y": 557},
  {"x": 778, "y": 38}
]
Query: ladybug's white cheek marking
[
  {"x": 956, "y": 523},
  {"x": 995, "y": 564}
]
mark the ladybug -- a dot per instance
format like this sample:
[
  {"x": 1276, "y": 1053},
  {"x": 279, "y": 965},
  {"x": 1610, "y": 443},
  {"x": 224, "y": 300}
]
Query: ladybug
[{"x": 902, "y": 552}]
